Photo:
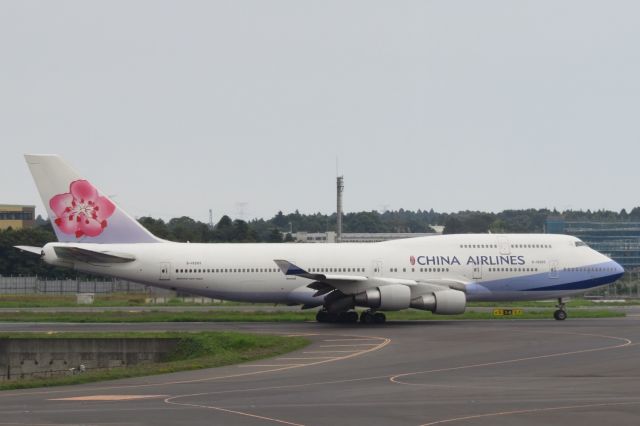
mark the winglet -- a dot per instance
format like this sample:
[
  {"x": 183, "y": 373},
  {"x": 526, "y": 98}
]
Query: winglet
[{"x": 289, "y": 268}]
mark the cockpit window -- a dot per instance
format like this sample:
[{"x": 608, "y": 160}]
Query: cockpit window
[{"x": 581, "y": 244}]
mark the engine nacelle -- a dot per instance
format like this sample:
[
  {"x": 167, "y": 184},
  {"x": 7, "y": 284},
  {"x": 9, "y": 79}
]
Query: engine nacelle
[
  {"x": 392, "y": 297},
  {"x": 445, "y": 302}
]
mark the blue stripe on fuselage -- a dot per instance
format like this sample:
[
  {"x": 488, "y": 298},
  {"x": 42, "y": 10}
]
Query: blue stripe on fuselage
[
  {"x": 580, "y": 285},
  {"x": 565, "y": 280}
]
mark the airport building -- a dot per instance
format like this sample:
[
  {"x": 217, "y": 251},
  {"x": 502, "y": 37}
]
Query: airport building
[
  {"x": 354, "y": 237},
  {"x": 16, "y": 216},
  {"x": 618, "y": 240}
]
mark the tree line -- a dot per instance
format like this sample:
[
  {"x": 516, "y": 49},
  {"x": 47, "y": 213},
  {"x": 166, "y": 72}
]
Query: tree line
[{"x": 280, "y": 226}]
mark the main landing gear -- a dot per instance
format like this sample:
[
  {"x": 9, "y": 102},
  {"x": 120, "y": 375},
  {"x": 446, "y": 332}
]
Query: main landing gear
[
  {"x": 370, "y": 317},
  {"x": 347, "y": 317},
  {"x": 561, "y": 313},
  {"x": 351, "y": 317}
]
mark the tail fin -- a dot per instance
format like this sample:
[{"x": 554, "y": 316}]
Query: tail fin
[{"x": 77, "y": 210}]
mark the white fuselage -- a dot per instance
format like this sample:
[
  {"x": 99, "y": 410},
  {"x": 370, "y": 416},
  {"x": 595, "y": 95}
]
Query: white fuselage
[{"x": 492, "y": 267}]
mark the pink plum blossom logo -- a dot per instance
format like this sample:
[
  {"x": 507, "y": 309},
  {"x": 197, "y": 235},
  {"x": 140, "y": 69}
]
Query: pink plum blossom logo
[
  {"x": 412, "y": 260},
  {"x": 81, "y": 211}
]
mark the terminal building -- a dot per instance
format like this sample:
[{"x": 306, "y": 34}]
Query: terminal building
[
  {"x": 16, "y": 216},
  {"x": 617, "y": 240}
]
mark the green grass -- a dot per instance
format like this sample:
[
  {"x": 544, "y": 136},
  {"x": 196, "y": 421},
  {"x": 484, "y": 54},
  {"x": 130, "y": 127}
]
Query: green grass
[
  {"x": 139, "y": 299},
  {"x": 276, "y": 316},
  {"x": 573, "y": 303},
  {"x": 100, "y": 301},
  {"x": 194, "y": 351},
  {"x": 470, "y": 314}
]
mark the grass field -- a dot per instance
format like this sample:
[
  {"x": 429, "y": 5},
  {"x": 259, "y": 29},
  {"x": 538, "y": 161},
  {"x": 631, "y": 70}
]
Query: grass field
[
  {"x": 102, "y": 300},
  {"x": 194, "y": 351},
  {"x": 138, "y": 299}
]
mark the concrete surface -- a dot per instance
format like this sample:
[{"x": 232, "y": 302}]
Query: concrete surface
[
  {"x": 536, "y": 372},
  {"x": 30, "y": 358}
]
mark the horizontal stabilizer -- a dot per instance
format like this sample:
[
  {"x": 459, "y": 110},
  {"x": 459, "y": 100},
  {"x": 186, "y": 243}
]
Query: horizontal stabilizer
[
  {"x": 30, "y": 249},
  {"x": 92, "y": 256}
]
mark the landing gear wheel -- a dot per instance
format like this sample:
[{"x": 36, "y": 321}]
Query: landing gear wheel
[
  {"x": 367, "y": 317},
  {"x": 348, "y": 317},
  {"x": 379, "y": 318},
  {"x": 560, "y": 315},
  {"x": 322, "y": 316}
]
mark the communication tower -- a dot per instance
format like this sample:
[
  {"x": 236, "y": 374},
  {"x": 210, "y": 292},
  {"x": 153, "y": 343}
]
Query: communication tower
[{"x": 340, "y": 189}]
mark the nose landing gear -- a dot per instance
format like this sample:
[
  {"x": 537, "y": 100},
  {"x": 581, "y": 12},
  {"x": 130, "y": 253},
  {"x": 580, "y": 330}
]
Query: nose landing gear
[{"x": 561, "y": 313}]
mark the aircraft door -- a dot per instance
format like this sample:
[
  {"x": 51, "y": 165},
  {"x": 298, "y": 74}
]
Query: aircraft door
[
  {"x": 503, "y": 245},
  {"x": 165, "y": 271},
  {"x": 477, "y": 272},
  {"x": 553, "y": 269},
  {"x": 376, "y": 268}
]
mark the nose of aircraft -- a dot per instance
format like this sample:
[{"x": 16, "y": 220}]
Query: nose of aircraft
[{"x": 619, "y": 269}]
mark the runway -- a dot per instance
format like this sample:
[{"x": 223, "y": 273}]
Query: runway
[{"x": 403, "y": 373}]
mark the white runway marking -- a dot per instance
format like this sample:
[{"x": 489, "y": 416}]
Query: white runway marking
[
  {"x": 627, "y": 342},
  {"x": 530, "y": 411}
]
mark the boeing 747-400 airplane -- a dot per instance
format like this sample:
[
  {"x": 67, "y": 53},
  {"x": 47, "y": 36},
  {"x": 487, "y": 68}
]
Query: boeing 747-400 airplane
[{"x": 438, "y": 274}]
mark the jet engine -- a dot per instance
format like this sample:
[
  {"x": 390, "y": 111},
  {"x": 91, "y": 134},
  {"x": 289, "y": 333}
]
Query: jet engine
[
  {"x": 445, "y": 302},
  {"x": 392, "y": 297}
]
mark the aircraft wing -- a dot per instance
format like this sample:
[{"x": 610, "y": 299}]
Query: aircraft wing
[
  {"x": 289, "y": 268},
  {"x": 353, "y": 284}
]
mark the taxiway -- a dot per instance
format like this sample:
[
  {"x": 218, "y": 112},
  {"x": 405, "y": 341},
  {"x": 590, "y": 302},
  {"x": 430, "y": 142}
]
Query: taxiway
[{"x": 403, "y": 373}]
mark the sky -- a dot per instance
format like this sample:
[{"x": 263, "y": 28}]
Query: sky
[{"x": 250, "y": 107}]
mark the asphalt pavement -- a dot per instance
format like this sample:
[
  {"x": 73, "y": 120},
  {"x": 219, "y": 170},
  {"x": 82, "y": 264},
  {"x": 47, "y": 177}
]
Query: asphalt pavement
[{"x": 524, "y": 372}]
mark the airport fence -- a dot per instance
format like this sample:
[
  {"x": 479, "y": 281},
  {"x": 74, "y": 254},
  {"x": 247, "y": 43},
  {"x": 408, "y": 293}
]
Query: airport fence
[{"x": 38, "y": 285}]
